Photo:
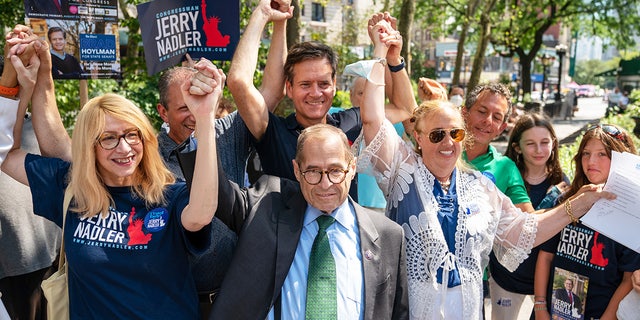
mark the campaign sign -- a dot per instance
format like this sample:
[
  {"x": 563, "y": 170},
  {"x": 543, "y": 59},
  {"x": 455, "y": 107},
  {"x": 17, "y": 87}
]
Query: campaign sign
[
  {"x": 201, "y": 28},
  {"x": 98, "y": 47}
]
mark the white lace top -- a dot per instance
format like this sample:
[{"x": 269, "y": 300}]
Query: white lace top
[{"x": 487, "y": 220}]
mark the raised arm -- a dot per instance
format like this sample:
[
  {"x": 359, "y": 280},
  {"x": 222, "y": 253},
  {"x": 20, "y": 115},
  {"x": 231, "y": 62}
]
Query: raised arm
[
  {"x": 372, "y": 110},
  {"x": 252, "y": 106},
  {"x": 9, "y": 107},
  {"x": 52, "y": 136},
  {"x": 272, "y": 87},
  {"x": 402, "y": 99},
  {"x": 26, "y": 77},
  {"x": 203, "y": 199}
]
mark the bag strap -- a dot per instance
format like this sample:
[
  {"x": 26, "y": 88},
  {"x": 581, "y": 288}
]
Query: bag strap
[{"x": 65, "y": 207}]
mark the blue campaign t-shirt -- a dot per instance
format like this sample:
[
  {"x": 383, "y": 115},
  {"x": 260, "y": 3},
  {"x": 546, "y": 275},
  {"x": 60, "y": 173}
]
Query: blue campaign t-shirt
[
  {"x": 131, "y": 264},
  {"x": 585, "y": 251}
]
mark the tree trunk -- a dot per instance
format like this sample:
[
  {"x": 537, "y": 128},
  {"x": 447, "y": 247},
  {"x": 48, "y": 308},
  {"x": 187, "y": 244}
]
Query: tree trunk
[
  {"x": 405, "y": 21},
  {"x": 129, "y": 65},
  {"x": 525, "y": 73},
  {"x": 455, "y": 80},
  {"x": 293, "y": 25},
  {"x": 483, "y": 42}
]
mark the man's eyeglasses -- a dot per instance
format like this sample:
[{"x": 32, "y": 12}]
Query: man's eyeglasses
[
  {"x": 612, "y": 131},
  {"x": 109, "y": 140},
  {"x": 457, "y": 134},
  {"x": 314, "y": 176}
]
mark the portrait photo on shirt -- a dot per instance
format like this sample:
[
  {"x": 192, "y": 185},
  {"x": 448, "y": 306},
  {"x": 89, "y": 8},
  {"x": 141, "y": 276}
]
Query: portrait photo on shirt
[{"x": 569, "y": 294}]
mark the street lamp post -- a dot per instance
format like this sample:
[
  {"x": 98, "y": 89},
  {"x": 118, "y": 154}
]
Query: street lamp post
[
  {"x": 546, "y": 62},
  {"x": 561, "y": 50}
]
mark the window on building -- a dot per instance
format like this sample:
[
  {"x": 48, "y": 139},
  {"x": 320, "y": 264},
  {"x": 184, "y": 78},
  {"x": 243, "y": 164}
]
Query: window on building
[{"x": 317, "y": 12}]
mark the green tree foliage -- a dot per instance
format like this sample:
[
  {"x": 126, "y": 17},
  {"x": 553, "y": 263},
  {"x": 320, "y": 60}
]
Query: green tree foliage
[
  {"x": 586, "y": 71},
  {"x": 520, "y": 32},
  {"x": 11, "y": 13}
]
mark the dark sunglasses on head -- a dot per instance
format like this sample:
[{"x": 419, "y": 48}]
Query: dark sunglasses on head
[
  {"x": 457, "y": 134},
  {"x": 610, "y": 130}
]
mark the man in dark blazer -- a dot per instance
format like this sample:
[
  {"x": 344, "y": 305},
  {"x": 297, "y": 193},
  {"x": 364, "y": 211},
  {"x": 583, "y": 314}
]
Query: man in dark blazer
[
  {"x": 46, "y": 7},
  {"x": 566, "y": 294},
  {"x": 270, "y": 221}
]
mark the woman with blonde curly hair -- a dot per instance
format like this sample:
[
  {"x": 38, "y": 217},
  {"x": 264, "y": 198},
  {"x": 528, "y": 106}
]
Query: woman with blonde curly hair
[
  {"x": 129, "y": 229},
  {"x": 452, "y": 216}
]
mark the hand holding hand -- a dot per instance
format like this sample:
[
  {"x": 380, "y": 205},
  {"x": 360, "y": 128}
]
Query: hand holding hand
[
  {"x": 275, "y": 10},
  {"x": 395, "y": 40},
  {"x": 18, "y": 42},
  {"x": 27, "y": 74},
  {"x": 202, "y": 92}
]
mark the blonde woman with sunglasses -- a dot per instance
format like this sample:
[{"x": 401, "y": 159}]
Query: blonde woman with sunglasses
[
  {"x": 452, "y": 216},
  {"x": 607, "y": 264}
]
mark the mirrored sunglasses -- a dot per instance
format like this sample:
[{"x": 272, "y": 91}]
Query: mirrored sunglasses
[
  {"x": 437, "y": 135},
  {"x": 612, "y": 131}
]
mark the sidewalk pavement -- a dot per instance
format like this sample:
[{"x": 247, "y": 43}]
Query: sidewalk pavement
[{"x": 590, "y": 111}]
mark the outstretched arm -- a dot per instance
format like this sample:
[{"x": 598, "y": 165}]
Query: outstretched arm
[
  {"x": 550, "y": 222},
  {"x": 203, "y": 199},
  {"x": 252, "y": 106}
]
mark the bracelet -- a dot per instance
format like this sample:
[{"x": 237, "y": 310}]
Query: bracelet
[
  {"x": 540, "y": 302},
  {"x": 569, "y": 211},
  {"x": 540, "y": 308},
  {"x": 10, "y": 92},
  {"x": 540, "y": 297},
  {"x": 398, "y": 67},
  {"x": 382, "y": 61}
]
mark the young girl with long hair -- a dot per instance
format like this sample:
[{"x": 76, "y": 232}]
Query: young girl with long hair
[
  {"x": 533, "y": 146},
  {"x": 579, "y": 249}
]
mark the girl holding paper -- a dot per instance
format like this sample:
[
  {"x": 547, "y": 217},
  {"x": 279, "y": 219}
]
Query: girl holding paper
[{"x": 579, "y": 249}]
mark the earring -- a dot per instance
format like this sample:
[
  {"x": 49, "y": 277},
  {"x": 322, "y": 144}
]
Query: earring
[
  {"x": 552, "y": 155},
  {"x": 518, "y": 158}
]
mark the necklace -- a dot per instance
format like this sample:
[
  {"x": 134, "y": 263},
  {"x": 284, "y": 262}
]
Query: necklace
[
  {"x": 445, "y": 185},
  {"x": 538, "y": 179}
]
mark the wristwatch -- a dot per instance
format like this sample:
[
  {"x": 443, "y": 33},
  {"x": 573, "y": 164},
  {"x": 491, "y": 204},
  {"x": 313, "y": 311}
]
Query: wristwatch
[{"x": 398, "y": 67}]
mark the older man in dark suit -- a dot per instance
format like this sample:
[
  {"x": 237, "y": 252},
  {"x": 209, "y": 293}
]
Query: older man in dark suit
[
  {"x": 272, "y": 274},
  {"x": 566, "y": 294}
]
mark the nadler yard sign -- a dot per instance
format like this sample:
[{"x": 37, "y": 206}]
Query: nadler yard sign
[{"x": 201, "y": 28}]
